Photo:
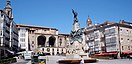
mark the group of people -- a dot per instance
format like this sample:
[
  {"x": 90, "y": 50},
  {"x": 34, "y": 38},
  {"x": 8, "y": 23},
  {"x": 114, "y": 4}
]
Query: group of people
[{"x": 129, "y": 57}]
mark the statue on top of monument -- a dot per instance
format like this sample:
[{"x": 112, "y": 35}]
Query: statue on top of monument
[{"x": 75, "y": 15}]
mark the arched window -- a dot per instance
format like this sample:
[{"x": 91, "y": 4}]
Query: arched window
[
  {"x": 52, "y": 41},
  {"x": 41, "y": 41}
]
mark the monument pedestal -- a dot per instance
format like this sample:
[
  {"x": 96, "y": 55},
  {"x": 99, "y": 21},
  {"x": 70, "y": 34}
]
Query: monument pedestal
[
  {"x": 75, "y": 54},
  {"x": 73, "y": 57}
]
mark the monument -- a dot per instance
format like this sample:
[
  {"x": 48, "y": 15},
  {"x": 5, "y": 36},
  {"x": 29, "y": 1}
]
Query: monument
[{"x": 78, "y": 47}]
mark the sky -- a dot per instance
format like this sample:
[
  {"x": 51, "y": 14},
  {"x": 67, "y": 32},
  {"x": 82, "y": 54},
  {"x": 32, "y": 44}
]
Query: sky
[{"x": 58, "y": 13}]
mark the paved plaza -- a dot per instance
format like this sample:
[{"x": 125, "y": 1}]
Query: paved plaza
[
  {"x": 53, "y": 60},
  {"x": 114, "y": 61}
]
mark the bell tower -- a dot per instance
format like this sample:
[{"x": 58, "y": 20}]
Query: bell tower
[
  {"x": 8, "y": 9},
  {"x": 89, "y": 21}
]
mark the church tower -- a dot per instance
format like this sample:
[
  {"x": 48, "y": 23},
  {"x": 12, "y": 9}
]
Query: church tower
[
  {"x": 89, "y": 22},
  {"x": 8, "y": 10}
]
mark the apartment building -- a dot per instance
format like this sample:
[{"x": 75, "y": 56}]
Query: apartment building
[{"x": 110, "y": 39}]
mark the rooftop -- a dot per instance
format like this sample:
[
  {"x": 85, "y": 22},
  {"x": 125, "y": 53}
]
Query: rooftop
[{"x": 33, "y": 26}]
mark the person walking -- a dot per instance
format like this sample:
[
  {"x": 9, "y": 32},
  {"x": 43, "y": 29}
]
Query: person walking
[{"x": 82, "y": 60}]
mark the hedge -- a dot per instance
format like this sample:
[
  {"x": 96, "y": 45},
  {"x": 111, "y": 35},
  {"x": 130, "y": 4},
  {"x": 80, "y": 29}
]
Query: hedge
[{"x": 7, "y": 61}]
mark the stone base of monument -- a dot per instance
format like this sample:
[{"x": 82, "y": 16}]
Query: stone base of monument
[{"x": 75, "y": 59}]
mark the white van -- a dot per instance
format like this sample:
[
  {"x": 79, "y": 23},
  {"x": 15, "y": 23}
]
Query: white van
[{"x": 28, "y": 55}]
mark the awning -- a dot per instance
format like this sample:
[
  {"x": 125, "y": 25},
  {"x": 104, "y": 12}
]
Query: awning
[
  {"x": 127, "y": 52},
  {"x": 106, "y": 53}
]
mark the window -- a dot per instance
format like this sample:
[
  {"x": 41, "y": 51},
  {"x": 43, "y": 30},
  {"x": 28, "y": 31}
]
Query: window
[
  {"x": 113, "y": 39},
  {"x": 32, "y": 46},
  {"x": 22, "y": 44},
  {"x": 0, "y": 32},
  {"x": 53, "y": 49},
  {"x": 128, "y": 47},
  {"x": 22, "y": 35},
  {"x": 112, "y": 30},
  {"x": 43, "y": 49},
  {"x": 32, "y": 42},
  {"x": 107, "y": 40},
  {"x": 96, "y": 35},
  {"x": 8, "y": 12},
  {"x": 96, "y": 43},
  {"x": 106, "y": 32},
  {"x": 22, "y": 40},
  {"x": 60, "y": 42},
  {"x": 45, "y": 30},
  {"x": 121, "y": 38},
  {"x": 122, "y": 48}
]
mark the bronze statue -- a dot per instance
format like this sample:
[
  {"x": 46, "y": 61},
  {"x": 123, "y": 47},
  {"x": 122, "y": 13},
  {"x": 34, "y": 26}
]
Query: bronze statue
[
  {"x": 75, "y": 16},
  {"x": 74, "y": 13}
]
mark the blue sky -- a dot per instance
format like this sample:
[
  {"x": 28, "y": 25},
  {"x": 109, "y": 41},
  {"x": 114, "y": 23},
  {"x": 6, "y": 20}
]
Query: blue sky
[{"x": 58, "y": 14}]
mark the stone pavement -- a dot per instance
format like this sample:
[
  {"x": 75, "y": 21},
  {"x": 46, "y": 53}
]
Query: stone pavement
[
  {"x": 54, "y": 59},
  {"x": 113, "y": 61},
  {"x": 21, "y": 61}
]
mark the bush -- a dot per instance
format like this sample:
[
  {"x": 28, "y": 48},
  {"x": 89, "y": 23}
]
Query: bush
[{"x": 7, "y": 61}]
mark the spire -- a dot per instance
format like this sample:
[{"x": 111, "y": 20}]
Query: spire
[
  {"x": 89, "y": 21},
  {"x": 8, "y": 5},
  {"x": 8, "y": 1}
]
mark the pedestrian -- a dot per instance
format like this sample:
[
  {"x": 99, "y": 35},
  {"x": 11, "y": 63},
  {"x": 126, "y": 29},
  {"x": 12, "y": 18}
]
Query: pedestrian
[
  {"x": 82, "y": 60},
  {"x": 130, "y": 57}
]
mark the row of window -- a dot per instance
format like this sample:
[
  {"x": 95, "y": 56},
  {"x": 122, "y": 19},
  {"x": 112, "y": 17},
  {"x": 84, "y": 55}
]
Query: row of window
[
  {"x": 127, "y": 39},
  {"x": 22, "y": 35},
  {"x": 112, "y": 45},
  {"x": 48, "y": 49},
  {"x": 125, "y": 31},
  {"x": 128, "y": 47},
  {"x": 111, "y": 40},
  {"x": 109, "y": 45},
  {"x": 110, "y": 31},
  {"x": 22, "y": 45},
  {"x": 22, "y": 39}
]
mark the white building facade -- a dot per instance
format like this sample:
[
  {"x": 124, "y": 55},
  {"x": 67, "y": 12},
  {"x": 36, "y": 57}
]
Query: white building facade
[
  {"x": 23, "y": 38},
  {"x": 42, "y": 39}
]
